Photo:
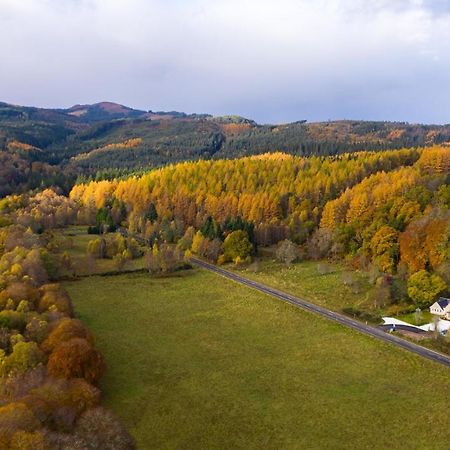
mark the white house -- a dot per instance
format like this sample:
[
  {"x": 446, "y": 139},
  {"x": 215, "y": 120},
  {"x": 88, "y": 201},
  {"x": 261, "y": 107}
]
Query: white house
[{"x": 441, "y": 308}]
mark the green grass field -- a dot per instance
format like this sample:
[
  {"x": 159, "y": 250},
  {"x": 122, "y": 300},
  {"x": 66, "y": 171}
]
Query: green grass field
[
  {"x": 304, "y": 280},
  {"x": 325, "y": 289},
  {"x": 196, "y": 361}
]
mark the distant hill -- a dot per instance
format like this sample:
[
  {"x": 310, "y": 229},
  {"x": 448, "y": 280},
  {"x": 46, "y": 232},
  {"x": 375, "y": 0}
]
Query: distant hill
[
  {"x": 103, "y": 111},
  {"x": 106, "y": 136},
  {"x": 39, "y": 127}
]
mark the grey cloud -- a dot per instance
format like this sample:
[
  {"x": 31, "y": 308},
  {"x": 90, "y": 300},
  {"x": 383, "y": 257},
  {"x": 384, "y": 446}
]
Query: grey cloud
[{"x": 272, "y": 61}]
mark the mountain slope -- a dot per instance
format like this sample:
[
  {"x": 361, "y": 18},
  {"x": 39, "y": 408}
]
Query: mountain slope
[
  {"x": 175, "y": 139},
  {"x": 85, "y": 139}
]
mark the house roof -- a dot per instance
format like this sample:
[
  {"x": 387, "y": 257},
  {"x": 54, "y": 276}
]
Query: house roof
[{"x": 443, "y": 302}]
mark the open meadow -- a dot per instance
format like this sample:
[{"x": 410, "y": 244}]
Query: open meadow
[
  {"x": 320, "y": 282},
  {"x": 196, "y": 361}
]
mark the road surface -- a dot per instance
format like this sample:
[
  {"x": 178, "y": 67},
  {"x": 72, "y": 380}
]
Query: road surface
[{"x": 331, "y": 315}]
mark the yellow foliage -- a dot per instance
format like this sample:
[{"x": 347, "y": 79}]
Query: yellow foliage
[
  {"x": 16, "y": 145},
  {"x": 130, "y": 143},
  {"x": 249, "y": 187},
  {"x": 435, "y": 160}
]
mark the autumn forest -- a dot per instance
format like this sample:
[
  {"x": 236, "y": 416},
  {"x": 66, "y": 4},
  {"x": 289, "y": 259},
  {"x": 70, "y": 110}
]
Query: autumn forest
[{"x": 380, "y": 214}]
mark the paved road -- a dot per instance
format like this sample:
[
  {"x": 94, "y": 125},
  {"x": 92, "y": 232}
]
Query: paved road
[{"x": 343, "y": 320}]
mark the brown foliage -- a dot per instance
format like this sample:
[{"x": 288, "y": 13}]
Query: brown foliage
[
  {"x": 18, "y": 291},
  {"x": 16, "y": 417},
  {"x": 47, "y": 209},
  {"x": 76, "y": 358},
  {"x": 64, "y": 330},
  {"x": 23, "y": 440},
  {"x": 36, "y": 329},
  {"x": 53, "y": 295},
  {"x": 425, "y": 243},
  {"x": 58, "y": 403},
  {"x": 18, "y": 385}
]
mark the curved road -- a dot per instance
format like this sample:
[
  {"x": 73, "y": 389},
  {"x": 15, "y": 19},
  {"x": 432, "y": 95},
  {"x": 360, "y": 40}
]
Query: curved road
[{"x": 343, "y": 320}]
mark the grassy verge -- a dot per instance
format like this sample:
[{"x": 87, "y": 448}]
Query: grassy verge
[
  {"x": 325, "y": 288},
  {"x": 424, "y": 317},
  {"x": 196, "y": 361}
]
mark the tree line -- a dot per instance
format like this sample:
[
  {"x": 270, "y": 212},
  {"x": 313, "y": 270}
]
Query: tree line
[{"x": 50, "y": 367}]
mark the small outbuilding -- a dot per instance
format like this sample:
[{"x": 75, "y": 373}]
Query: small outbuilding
[{"x": 441, "y": 308}]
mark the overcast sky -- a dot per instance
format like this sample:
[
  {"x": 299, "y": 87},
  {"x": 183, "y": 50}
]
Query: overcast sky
[{"x": 272, "y": 61}]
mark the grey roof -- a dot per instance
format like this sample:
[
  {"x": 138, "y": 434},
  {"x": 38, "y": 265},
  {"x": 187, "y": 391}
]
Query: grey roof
[{"x": 443, "y": 302}]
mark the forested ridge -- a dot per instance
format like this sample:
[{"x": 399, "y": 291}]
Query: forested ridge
[
  {"x": 47, "y": 147},
  {"x": 275, "y": 189}
]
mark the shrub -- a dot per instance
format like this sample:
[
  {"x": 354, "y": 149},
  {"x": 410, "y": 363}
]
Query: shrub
[
  {"x": 36, "y": 266},
  {"x": 16, "y": 338},
  {"x": 199, "y": 243},
  {"x": 97, "y": 248},
  {"x": 64, "y": 441},
  {"x": 380, "y": 295},
  {"x": 319, "y": 244},
  {"x": 17, "y": 385},
  {"x": 236, "y": 245},
  {"x": 185, "y": 242},
  {"x": 424, "y": 287},
  {"x": 25, "y": 356},
  {"x": 63, "y": 331},
  {"x": 76, "y": 358},
  {"x": 23, "y": 306},
  {"x": 116, "y": 245},
  {"x": 93, "y": 230},
  {"x": 167, "y": 259},
  {"x": 352, "y": 282},
  {"x": 119, "y": 260},
  {"x": 69, "y": 397},
  {"x": 83, "y": 394},
  {"x": 287, "y": 252},
  {"x": 324, "y": 268},
  {"x": 16, "y": 417},
  {"x": 24, "y": 440},
  {"x": 18, "y": 291},
  {"x": 36, "y": 329},
  {"x": 13, "y": 320},
  {"x": 4, "y": 338},
  {"x": 238, "y": 261},
  {"x": 133, "y": 248},
  {"x": 213, "y": 249},
  {"x": 102, "y": 430},
  {"x": 53, "y": 295}
]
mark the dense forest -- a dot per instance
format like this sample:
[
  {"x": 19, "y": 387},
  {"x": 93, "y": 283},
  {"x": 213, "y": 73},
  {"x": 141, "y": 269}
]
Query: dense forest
[
  {"x": 47, "y": 147},
  {"x": 387, "y": 212}
]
